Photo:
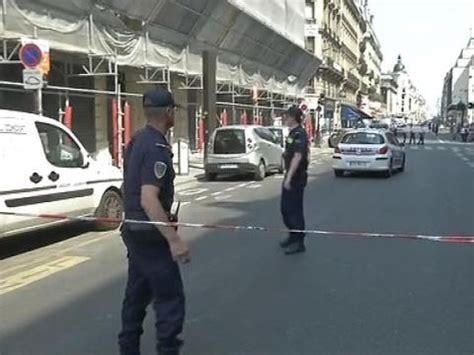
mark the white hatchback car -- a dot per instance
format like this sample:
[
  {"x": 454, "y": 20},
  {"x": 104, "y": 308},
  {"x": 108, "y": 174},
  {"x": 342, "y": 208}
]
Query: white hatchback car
[
  {"x": 242, "y": 149},
  {"x": 46, "y": 170},
  {"x": 369, "y": 150}
]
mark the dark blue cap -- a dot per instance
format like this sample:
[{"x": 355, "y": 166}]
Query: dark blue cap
[{"x": 158, "y": 98}]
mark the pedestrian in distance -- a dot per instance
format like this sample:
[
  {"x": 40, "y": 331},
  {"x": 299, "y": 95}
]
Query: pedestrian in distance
[
  {"x": 412, "y": 135},
  {"x": 421, "y": 136},
  {"x": 296, "y": 158},
  {"x": 153, "y": 252}
]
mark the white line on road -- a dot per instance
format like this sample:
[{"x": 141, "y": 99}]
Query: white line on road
[
  {"x": 193, "y": 192},
  {"x": 465, "y": 159},
  {"x": 428, "y": 148},
  {"x": 200, "y": 198},
  {"x": 278, "y": 176},
  {"x": 243, "y": 184},
  {"x": 231, "y": 188},
  {"x": 414, "y": 147},
  {"x": 185, "y": 203},
  {"x": 254, "y": 186},
  {"x": 440, "y": 147},
  {"x": 216, "y": 193},
  {"x": 471, "y": 165},
  {"x": 223, "y": 197}
]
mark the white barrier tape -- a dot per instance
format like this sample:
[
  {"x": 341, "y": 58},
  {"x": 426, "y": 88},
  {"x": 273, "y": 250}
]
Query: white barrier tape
[{"x": 434, "y": 238}]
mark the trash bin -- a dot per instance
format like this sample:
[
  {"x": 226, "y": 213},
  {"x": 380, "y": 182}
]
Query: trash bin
[{"x": 181, "y": 156}]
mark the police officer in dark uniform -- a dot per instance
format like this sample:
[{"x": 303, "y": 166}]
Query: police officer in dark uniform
[
  {"x": 153, "y": 251},
  {"x": 296, "y": 163}
]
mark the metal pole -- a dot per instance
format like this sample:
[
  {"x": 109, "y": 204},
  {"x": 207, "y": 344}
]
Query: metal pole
[
  {"x": 120, "y": 113},
  {"x": 39, "y": 101}
]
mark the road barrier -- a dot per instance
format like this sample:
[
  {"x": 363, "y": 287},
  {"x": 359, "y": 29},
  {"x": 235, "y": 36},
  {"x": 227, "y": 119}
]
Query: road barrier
[{"x": 466, "y": 239}]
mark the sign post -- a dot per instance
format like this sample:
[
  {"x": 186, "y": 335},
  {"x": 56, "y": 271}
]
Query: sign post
[{"x": 34, "y": 55}]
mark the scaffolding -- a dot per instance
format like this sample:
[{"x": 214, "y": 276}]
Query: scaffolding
[{"x": 97, "y": 59}]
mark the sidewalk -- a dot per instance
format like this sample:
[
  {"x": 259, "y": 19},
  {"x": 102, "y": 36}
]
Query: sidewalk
[{"x": 196, "y": 165}]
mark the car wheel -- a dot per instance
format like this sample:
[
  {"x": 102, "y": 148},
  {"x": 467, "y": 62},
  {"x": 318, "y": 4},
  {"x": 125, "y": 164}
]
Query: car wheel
[
  {"x": 111, "y": 206},
  {"x": 281, "y": 169},
  {"x": 388, "y": 173},
  {"x": 402, "y": 168},
  {"x": 261, "y": 171},
  {"x": 210, "y": 176},
  {"x": 339, "y": 173}
]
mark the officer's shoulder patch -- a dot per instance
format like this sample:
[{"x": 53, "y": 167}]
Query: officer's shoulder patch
[{"x": 160, "y": 169}]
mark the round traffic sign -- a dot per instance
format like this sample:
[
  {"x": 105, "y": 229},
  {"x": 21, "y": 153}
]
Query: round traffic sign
[{"x": 31, "y": 55}]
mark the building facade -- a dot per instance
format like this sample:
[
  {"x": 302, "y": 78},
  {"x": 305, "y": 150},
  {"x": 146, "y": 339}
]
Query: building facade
[
  {"x": 458, "y": 89},
  {"x": 105, "y": 54},
  {"x": 409, "y": 103},
  {"x": 349, "y": 78}
]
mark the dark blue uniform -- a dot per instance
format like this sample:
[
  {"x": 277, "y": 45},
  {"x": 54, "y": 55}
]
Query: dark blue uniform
[
  {"x": 153, "y": 275},
  {"x": 292, "y": 200}
]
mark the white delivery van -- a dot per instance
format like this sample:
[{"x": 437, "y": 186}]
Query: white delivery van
[{"x": 45, "y": 169}]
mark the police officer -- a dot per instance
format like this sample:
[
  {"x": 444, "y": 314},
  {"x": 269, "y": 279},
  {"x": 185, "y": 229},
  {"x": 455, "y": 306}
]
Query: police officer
[
  {"x": 153, "y": 251},
  {"x": 296, "y": 163}
]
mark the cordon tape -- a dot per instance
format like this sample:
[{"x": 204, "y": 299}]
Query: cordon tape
[{"x": 433, "y": 238}]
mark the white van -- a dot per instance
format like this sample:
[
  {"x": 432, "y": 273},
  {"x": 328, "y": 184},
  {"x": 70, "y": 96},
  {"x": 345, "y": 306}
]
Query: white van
[
  {"x": 45, "y": 169},
  {"x": 242, "y": 149}
]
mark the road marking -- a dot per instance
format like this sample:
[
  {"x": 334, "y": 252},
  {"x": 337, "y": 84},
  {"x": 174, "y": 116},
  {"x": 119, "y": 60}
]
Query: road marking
[
  {"x": 471, "y": 165},
  {"x": 231, "y": 188},
  {"x": 414, "y": 148},
  {"x": 27, "y": 277},
  {"x": 185, "y": 203},
  {"x": 464, "y": 158},
  {"x": 193, "y": 192},
  {"x": 254, "y": 186},
  {"x": 440, "y": 147},
  {"x": 243, "y": 184},
  {"x": 428, "y": 148},
  {"x": 201, "y": 198},
  {"x": 278, "y": 176},
  {"x": 216, "y": 193},
  {"x": 222, "y": 197}
]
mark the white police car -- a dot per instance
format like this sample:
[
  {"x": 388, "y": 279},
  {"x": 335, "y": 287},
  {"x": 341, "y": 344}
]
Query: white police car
[
  {"x": 369, "y": 150},
  {"x": 46, "y": 170}
]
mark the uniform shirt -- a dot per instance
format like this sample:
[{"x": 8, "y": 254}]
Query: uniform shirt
[
  {"x": 297, "y": 142},
  {"x": 148, "y": 161}
]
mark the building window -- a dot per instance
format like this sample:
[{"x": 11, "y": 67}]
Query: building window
[
  {"x": 309, "y": 10},
  {"x": 309, "y": 44}
]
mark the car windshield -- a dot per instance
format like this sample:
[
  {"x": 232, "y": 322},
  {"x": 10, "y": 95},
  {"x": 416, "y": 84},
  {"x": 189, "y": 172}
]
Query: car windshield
[
  {"x": 278, "y": 133},
  {"x": 229, "y": 141},
  {"x": 363, "y": 138}
]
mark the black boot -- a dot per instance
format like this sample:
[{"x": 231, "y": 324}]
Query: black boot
[
  {"x": 172, "y": 348},
  {"x": 285, "y": 243},
  {"x": 295, "y": 248}
]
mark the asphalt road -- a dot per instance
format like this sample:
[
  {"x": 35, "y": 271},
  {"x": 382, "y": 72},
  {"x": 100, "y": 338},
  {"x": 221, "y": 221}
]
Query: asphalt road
[{"x": 343, "y": 296}]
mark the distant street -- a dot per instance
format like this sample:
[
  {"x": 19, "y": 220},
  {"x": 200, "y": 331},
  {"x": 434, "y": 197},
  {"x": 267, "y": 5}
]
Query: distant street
[{"x": 343, "y": 296}]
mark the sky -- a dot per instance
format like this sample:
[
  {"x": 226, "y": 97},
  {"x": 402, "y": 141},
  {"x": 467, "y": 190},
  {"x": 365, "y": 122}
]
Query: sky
[{"x": 429, "y": 34}]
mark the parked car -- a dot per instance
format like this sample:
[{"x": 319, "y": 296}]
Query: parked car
[
  {"x": 280, "y": 133},
  {"x": 335, "y": 138},
  {"x": 369, "y": 150},
  {"x": 243, "y": 149},
  {"x": 46, "y": 170}
]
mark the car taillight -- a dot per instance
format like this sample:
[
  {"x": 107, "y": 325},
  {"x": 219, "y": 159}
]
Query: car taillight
[
  {"x": 337, "y": 150},
  {"x": 383, "y": 150}
]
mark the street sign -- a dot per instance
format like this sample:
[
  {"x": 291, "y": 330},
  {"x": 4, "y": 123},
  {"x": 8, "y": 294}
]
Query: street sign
[
  {"x": 311, "y": 30},
  {"x": 31, "y": 55},
  {"x": 34, "y": 53},
  {"x": 32, "y": 79}
]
